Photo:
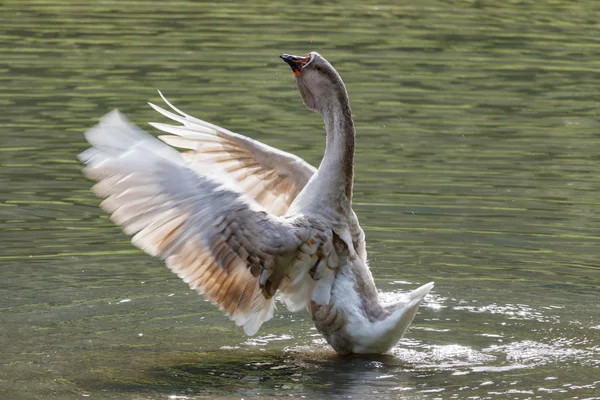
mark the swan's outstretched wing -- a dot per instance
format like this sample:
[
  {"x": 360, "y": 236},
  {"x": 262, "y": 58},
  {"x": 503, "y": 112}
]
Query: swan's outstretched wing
[
  {"x": 215, "y": 238},
  {"x": 271, "y": 176}
]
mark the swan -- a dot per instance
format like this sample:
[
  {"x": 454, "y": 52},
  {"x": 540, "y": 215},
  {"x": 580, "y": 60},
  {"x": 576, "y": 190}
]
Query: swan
[{"x": 242, "y": 222}]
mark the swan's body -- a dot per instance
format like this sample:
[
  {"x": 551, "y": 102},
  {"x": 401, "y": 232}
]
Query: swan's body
[{"x": 240, "y": 221}]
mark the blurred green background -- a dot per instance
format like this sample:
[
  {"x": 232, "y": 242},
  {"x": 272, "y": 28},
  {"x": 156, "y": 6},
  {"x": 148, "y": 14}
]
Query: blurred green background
[{"x": 477, "y": 166}]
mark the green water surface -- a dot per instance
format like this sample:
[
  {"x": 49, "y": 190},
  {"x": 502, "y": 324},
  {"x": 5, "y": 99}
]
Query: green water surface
[{"x": 477, "y": 167}]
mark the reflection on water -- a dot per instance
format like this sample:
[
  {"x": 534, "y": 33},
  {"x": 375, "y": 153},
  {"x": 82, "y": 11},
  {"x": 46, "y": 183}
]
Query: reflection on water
[
  {"x": 477, "y": 168},
  {"x": 414, "y": 368}
]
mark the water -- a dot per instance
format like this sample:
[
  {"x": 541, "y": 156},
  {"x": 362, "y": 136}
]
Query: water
[{"x": 477, "y": 167}]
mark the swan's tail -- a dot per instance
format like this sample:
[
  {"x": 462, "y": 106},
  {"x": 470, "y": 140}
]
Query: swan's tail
[
  {"x": 383, "y": 335},
  {"x": 409, "y": 306},
  {"x": 420, "y": 292}
]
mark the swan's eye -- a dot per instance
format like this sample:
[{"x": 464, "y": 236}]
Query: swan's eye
[{"x": 318, "y": 68}]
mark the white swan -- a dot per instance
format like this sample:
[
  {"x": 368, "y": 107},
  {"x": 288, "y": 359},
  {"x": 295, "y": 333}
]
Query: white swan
[{"x": 241, "y": 221}]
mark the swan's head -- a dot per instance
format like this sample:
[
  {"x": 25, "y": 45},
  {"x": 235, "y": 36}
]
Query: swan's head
[{"x": 319, "y": 83}]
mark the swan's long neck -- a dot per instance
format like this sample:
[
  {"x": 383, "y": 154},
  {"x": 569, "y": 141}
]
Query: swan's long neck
[{"x": 338, "y": 161}]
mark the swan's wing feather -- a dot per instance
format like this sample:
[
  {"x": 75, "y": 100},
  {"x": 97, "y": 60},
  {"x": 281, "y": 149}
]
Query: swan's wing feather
[
  {"x": 215, "y": 238},
  {"x": 271, "y": 176}
]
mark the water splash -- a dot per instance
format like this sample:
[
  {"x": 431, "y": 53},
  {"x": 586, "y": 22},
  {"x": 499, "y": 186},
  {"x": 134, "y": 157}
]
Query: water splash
[
  {"x": 521, "y": 312},
  {"x": 530, "y": 353},
  {"x": 266, "y": 339}
]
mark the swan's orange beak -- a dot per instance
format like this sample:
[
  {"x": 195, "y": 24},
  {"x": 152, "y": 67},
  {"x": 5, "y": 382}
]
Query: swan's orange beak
[{"x": 295, "y": 62}]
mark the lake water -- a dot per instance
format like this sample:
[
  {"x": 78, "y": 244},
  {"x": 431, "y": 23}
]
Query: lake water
[{"x": 477, "y": 167}]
